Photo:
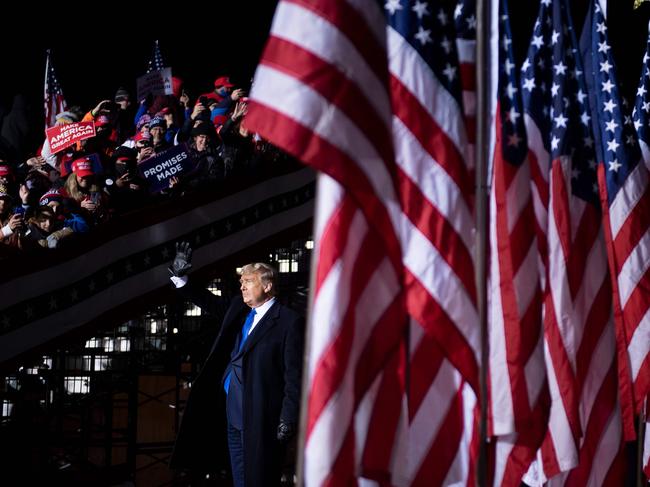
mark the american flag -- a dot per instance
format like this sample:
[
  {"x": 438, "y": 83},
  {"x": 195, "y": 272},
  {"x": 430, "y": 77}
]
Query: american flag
[
  {"x": 52, "y": 94},
  {"x": 376, "y": 105},
  {"x": 584, "y": 444},
  {"x": 625, "y": 198},
  {"x": 465, "y": 21},
  {"x": 641, "y": 111},
  {"x": 517, "y": 380},
  {"x": 156, "y": 62}
]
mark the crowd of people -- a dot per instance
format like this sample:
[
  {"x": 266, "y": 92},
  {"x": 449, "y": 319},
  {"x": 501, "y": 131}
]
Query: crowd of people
[{"x": 53, "y": 197}]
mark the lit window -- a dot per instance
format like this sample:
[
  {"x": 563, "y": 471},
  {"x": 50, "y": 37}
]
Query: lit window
[
  {"x": 123, "y": 344},
  {"x": 192, "y": 310},
  {"x": 77, "y": 384},
  {"x": 309, "y": 245},
  {"x": 284, "y": 265},
  {"x": 101, "y": 362},
  {"x": 93, "y": 343},
  {"x": 7, "y": 407},
  {"x": 109, "y": 344}
]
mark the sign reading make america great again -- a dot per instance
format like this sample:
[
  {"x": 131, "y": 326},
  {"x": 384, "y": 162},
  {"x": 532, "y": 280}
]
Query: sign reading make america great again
[
  {"x": 63, "y": 136},
  {"x": 159, "y": 169}
]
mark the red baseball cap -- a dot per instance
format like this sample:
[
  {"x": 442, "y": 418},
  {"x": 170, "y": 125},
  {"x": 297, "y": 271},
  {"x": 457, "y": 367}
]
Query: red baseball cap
[
  {"x": 5, "y": 170},
  {"x": 101, "y": 121},
  {"x": 83, "y": 166},
  {"x": 223, "y": 81}
]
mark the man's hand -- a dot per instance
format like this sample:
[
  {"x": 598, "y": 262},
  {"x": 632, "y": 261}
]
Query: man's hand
[
  {"x": 181, "y": 264},
  {"x": 286, "y": 431}
]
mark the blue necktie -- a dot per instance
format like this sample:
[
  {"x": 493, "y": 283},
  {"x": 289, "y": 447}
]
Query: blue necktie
[{"x": 244, "y": 335}]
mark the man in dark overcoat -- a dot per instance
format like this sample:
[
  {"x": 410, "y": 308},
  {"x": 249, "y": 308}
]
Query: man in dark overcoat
[{"x": 247, "y": 394}]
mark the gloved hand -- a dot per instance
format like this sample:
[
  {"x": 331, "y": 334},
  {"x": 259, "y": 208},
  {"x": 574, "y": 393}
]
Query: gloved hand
[
  {"x": 52, "y": 241},
  {"x": 181, "y": 264},
  {"x": 286, "y": 431}
]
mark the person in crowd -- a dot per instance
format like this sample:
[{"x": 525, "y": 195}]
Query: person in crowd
[
  {"x": 208, "y": 169},
  {"x": 124, "y": 185},
  {"x": 11, "y": 222},
  {"x": 125, "y": 114},
  {"x": 53, "y": 199},
  {"x": 157, "y": 129},
  {"x": 249, "y": 388},
  {"x": 83, "y": 193},
  {"x": 44, "y": 230},
  {"x": 237, "y": 149},
  {"x": 171, "y": 128},
  {"x": 143, "y": 146}
]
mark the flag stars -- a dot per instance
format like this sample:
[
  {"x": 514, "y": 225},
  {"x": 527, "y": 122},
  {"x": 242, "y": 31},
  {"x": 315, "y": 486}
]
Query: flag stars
[
  {"x": 471, "y": 22},
  {"x": 560, "y": 121},
  {"x": 611, "y": 126},
  {"x": 612, "y": 145},
  {"x": 555, "y": 88},
  {"x": 584, "y": 118},
  {"x": 559, "y": 68},
  {"x": 510, "y": 90},
  {"x": 513, "y": 115},
  {"x": 614, "y": 165},
  {"x": 525, "y": 66},
  {"x": 420, "y": 8},
  {"x": 607, "y": 86},
  {"x": 637, "y": 124},
  {"x": 458, "y": 11},
  {"x": 646, "y": 106},
  {"x": 509, "y": 66},
  {"x": 592, "y": 164},
  {"x": 554, "y": 37},
  {"x": 603, "y": 47},
  {"x": 605, "y": 67},
  {"x": 538, "y": 41},
  {"x": 609, "y": 106},
  {"x": 629, "y": 140},
  {"x": 588, "y": 142},
  {"x": 449, "y": 72},
  {"x": 514, "y": 140},
  {"x": 580, "y": 96},
  {"x": 506, "y": 43},
  {"x": 446, "y": 45},
  {"x": 442, "y": 17},
  {"x": 555, "y": 143},
  {"x": 601, "y": 28},
  {"x": 641, "y": 91},
  {"x": 393, "y": 6},
  {"x": 423, "y": 35},
  {"x": 529, "y": 84}
]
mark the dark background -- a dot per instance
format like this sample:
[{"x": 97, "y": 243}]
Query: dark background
[{"x": 97, "y": 51}]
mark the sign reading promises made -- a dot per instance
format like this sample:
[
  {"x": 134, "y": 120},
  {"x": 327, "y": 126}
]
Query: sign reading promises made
[{"x": 159, "y": 169}]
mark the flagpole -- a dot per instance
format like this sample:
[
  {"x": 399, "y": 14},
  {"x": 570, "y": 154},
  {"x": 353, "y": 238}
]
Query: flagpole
[{"x": 483, "y": 10}]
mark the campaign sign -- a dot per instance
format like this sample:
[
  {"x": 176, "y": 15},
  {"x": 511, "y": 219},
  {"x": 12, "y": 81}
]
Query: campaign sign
[
  {"x": 159, "y": 169},
  {"x": 63, "y": 136},
  {"x": 155, "y": 83}
]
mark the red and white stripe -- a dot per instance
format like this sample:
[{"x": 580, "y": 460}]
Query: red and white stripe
[
  {"x": 517, "y": 376},
  {"x": 584, "y": 439},
  {"x": 628, "y": 235},
  {"x": 410, "y": 227},
  {"x": 467, "y": 58}
]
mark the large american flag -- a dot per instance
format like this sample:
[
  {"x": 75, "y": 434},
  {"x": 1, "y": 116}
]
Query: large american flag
[
  {"x": 373, "y": 98},
  {"x": 518, "y": 396},
  {"x": 52, "y": 94},
  {"x": 156, "y": 62},
  {"x": 584, "y": 444},
  {"x": 625, "y": 198}
]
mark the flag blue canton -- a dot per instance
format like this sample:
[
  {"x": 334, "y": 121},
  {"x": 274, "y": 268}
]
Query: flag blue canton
[
  {"x": 53, "y": 86},
  {"x": 619, "y": 145},
  {"x": 429, "y": 28},
  {"x": 156, "y": 62},
  {"x": 536, "y": 74},
  {"x": 641, "y": 112},
  {"x": 513, "y": 132},
  {"x": 570, "y": 114},
  {"x": 465, "y": 19}
]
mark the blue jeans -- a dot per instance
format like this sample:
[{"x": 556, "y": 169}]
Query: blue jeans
[{"x": 236, "y": 449}]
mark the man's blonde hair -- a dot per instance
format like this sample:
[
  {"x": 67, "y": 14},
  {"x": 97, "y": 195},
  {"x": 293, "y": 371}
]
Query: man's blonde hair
[{"x": 268, "y": 274}]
